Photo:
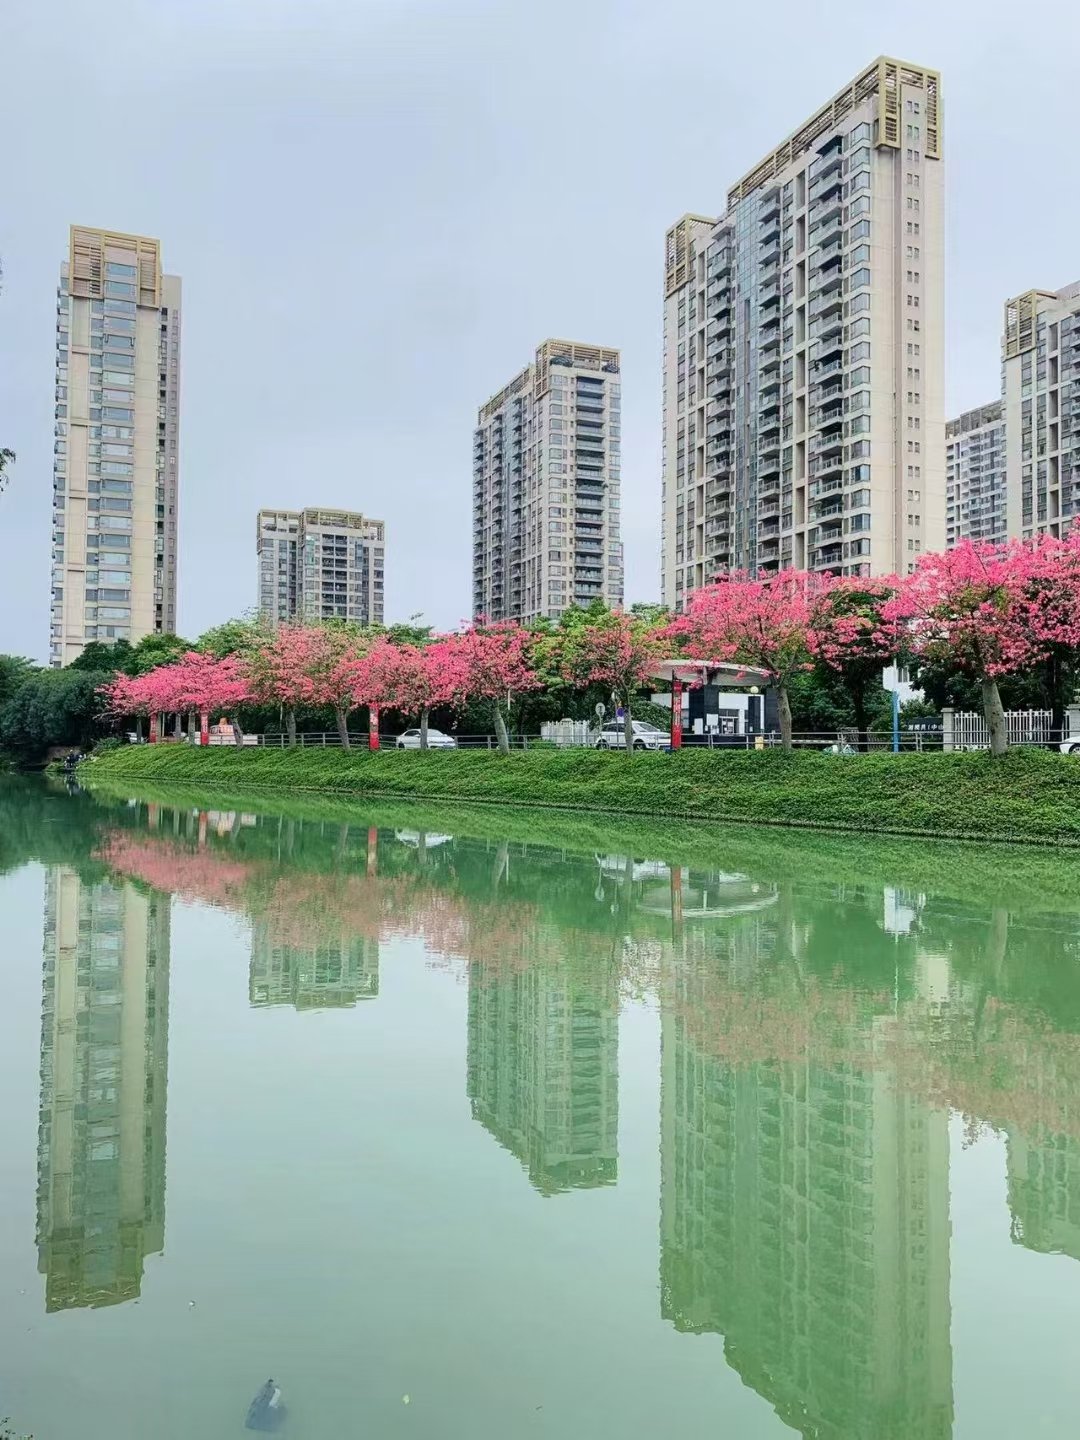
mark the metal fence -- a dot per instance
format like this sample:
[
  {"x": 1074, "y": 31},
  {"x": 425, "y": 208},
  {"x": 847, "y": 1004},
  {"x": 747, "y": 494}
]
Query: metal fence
[
  {"x": 967, "y": 730},
  {"x": 842, "y": 741}
]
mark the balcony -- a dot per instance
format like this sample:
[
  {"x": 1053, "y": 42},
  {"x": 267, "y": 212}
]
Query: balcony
[{"x": 826, "y": 306}]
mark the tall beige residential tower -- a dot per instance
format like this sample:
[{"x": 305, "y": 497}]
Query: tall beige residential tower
[
  {"x": 546, "y": 523},
  {"x": 803, "y": 399},
  {"x": 321, "y": 564},
  {"x": 1041, "y": 402},
  {"x": 115, "y": 472}
]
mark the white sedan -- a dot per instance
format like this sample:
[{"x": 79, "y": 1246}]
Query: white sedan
[
  {"x": 436, "y": 739},
  {"x": 1071, "y": 747}
]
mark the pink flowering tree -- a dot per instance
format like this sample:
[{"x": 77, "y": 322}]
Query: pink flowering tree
[
  {"x": 488, "y": 661},
  {"x": 126, "y": 695},
  {"x": 619, "y": 651},
  {"x": 849, "y": 634},
  {"x": 282, "y": 665},
  {"x": 420, "y": 680},
  {"x": 373, "y": 675},
  {"x": 203, "y": 683},
  {"x": 334, "y": 651},
  {"x": 765, "y": 623},
  {"x": 990, "y": 612}
]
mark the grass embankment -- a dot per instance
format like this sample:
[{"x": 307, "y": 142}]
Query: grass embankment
[{"x": 1026, "y": 795}]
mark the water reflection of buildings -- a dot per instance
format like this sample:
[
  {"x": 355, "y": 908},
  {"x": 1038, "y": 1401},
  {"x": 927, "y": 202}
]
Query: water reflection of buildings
[
  {"x": 805, "y": 1216},
  {"x": 101, "y": 1132},
  {"x": 332, "y": 974},
  {"x": 543, "y": 1070}
]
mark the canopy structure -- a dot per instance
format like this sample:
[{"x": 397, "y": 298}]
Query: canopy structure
[{"x": 723, "y": 673}]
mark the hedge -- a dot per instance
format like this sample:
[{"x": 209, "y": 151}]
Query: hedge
[{"x": 1026, "y": 795}]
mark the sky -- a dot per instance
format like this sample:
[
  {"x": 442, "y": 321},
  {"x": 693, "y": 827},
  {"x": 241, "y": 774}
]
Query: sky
[{"x": 380, "y": 207}]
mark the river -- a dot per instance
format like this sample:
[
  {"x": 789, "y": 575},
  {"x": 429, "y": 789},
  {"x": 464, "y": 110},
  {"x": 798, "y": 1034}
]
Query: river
[{"x": 487, "y": 1124}]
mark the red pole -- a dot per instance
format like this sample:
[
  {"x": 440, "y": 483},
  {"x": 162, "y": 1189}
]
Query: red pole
[
  {"x": 204, "y": 728},
  {"x": 154, "y": 728},
  {"x": 373, "y": 729},
  {"x": 676, "y": 714}
]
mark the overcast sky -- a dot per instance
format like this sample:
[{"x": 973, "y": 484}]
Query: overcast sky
[{"x": 380, "y": 207}]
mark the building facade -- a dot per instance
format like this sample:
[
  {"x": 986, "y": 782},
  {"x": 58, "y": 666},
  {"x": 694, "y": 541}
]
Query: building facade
[
  {"x": 546, "y": 521},
  {"x": 803, "y": 353},
  {"x": 975, "y": 476},
  {"x": 1041, "y": 403},
  {"x": 116, "y": 460},
  {"x": 321, "y": 564},
  {"x": 104, "y": 1070}
]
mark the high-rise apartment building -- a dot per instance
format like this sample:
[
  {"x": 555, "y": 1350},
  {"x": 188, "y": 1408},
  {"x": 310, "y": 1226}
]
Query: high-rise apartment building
[
  {"x": 115, "y": 470},
  {"x": 1041, "y": 401},
  {"x": 975, "y": 476},
  {"x": 104, "y": 1050},
  {"x": 321, "y": 564},
  {"x": 546, "y": 524},
  {"x": 803, "y": 403}
]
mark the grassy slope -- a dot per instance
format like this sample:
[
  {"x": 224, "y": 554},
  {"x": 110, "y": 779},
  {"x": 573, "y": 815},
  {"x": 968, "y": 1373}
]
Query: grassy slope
[{"x": 1029, "y": 796}]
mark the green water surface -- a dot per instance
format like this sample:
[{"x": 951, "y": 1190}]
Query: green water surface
[{"x": 493, "y": 1124}]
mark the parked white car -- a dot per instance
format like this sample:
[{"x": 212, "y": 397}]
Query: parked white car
[
  {"x": 646, "y": 737},
  {"x": 1071, "y": 747},
  {"x": 436, "y": 739}
]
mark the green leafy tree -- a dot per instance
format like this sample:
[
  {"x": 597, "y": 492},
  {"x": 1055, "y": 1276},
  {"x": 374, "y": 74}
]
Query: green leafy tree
[
  {"x": 101, "y": 658},
  {"x": 154, "y": 650},
  {"x": 14, "y": 669},
  {"x": 54, "y": 707}
]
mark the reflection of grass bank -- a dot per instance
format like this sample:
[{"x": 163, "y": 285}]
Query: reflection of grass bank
[
  {"x": 1018, "y": 879},
  {"x": 1024, "y": 796}
]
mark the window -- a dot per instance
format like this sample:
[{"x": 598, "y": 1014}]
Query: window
[
  {"x": 115, "y": 290},
  {"x": 119, "y": 272},
  {"x": 860, "y": 352},
  {"x": 859, "y": 231},
  {"x": 860, "y": 255}
]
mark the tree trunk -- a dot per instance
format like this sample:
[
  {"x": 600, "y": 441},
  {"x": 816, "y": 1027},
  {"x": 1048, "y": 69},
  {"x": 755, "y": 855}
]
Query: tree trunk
[
  {"x": 783, "y": 705},
  {"x": 138, "y": 729},
  {"x": 425, "y": 716},
  {"x": 191, "y": 727},
  {"x": 290, "y": 725},
  {"x": 179, "y": 730},
  {"x": 858, "y": 704},
  {"x": 500, "y": 730},
  {"x": 994, "y": 714},
  {"x": 342, "y": 726},
  {"x": 628, "y": 728},
  {"x": 237, "y": 731}
]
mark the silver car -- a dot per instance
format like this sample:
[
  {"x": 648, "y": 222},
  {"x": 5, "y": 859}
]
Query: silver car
[
  {"x": 646, "y": 737},
  {"x": 436, "y": 739}
]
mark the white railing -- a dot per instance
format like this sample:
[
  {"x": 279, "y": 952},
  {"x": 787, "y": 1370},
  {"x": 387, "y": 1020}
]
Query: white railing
[{"x": 967, "y": 730}]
